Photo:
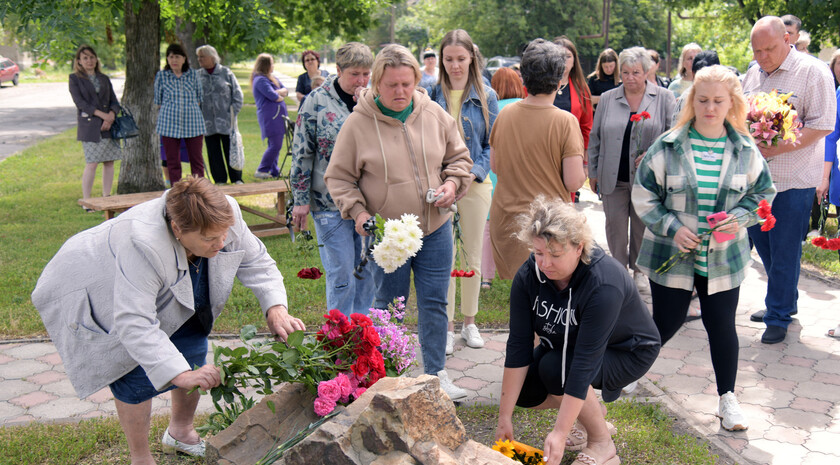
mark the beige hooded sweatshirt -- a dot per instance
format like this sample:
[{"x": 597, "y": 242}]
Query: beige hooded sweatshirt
[{"x": 380, "y": 165}]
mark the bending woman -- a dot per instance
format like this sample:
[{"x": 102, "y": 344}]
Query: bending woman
[
  {"x": 129, "y": 305},
  {"x": 594, "y": 329},
  {"x": 474, "y": 106}
]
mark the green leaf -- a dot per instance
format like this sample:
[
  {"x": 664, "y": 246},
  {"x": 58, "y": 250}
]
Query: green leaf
[
  {"x": 295, "y": 339},
  {"x": 239, "y": 352},
  {"x": 247, "y": 333},
  {"x": 291, "y": 356},
  {"x": 271, "y": 407}
]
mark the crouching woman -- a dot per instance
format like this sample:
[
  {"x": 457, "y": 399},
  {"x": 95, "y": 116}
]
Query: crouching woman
[{"x": 595, "y": 332}]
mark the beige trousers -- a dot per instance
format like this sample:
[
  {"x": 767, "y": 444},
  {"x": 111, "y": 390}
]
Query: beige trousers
[
  {"x": 618, "y": 209},
  {"x": 473, "y": 208}
]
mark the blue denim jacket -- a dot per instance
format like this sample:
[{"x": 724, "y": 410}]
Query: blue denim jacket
[{"x": 476, "y": 134}]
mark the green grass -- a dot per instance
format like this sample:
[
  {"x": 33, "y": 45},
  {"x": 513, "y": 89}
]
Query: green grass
[
  {"x": 827, "y": 260},
  {"x": 644, "y": 432},
  {"x": 89, "y": 442},
  {"x": 38, "y": 212}
]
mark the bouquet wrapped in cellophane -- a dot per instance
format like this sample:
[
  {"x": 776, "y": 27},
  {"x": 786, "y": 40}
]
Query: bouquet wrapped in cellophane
[{"x": 772, "y": 119}]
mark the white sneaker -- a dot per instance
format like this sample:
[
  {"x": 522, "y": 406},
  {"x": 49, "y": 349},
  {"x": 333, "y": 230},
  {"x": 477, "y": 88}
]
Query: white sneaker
[
  {"x": 262, "y": 175},
  {"x": 450, "y": 342},
  {"x": 630, "y": 387},
  {"x": 171, "y": 445},
  {"x": 472, "y": 336},
  {"x": 454, "y": 392},
  {"x": 641, "y": 281},
  {"x": 730, "y": 414}
]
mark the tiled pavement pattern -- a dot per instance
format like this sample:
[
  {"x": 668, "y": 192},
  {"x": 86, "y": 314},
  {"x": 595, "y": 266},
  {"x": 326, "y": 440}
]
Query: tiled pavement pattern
[{"x": 790, "y": 391}]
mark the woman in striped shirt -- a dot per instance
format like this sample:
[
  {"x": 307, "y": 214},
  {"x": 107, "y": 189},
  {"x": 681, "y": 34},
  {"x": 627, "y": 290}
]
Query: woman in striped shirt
[{"x": 708, "y": 163}]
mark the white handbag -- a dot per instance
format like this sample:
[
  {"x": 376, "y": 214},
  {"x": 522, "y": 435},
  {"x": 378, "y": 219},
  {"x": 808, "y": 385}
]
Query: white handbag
[{"x": 237, "y": 149}]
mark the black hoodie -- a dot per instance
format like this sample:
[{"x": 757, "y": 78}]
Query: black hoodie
[{"x": 606, "y": 312}]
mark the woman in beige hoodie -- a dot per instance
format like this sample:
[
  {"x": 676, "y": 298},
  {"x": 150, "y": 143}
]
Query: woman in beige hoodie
[{"x": 396, "y": 150}]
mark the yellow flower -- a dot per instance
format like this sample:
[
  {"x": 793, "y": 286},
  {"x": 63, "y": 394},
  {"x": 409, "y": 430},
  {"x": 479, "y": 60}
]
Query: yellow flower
[{"x": 504, "y": 447}]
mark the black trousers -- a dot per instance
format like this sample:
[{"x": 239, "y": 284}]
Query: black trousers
[
  {"x": 670, "y": 307},
  {"x": 220, "y": 163}
]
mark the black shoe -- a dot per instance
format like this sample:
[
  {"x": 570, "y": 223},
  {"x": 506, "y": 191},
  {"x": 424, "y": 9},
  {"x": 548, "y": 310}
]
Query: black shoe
[
  {"x": 774, "y": 335},
  {"x": 758, "y": 316}
]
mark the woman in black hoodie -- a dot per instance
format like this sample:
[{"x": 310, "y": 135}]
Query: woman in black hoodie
[{"x": 595, "y": 332}]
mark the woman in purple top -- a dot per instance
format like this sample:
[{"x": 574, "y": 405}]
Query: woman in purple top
[{"x": 271, "y": 113}]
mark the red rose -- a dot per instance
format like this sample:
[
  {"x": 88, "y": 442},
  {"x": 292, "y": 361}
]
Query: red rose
[
  {"x": 361, "y": 320},
  {"x": 636, "y": 118},
  {"x": 819, "y": 242},
  {"x": 764, "y": 209},
  {"x": 362, "y": 366},
  {"x": 371, "y": 336},
  {"x": 309, "y": 273},
  {"x": 645, "y": 115},
  {"x": 769, "y": 223}
]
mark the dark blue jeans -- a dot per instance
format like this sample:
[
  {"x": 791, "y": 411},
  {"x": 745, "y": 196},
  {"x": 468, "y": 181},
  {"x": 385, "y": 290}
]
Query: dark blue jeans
[
  {"x": 431, "y": 267},
  {"x": 780, "y": 250}
]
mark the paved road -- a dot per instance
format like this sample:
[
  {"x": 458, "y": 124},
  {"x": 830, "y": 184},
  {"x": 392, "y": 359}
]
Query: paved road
[
  {"x": 790, "y": 392},
  {"x": 31, "y": 112}
]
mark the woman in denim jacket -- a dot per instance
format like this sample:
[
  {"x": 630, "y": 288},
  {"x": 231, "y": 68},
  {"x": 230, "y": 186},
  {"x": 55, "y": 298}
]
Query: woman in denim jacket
[
  {"x": 708, "y": 163},
  {"x": 472, "y": 103}
]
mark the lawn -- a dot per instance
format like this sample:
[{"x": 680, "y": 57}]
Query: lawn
[{"x": 38, "y": 212}]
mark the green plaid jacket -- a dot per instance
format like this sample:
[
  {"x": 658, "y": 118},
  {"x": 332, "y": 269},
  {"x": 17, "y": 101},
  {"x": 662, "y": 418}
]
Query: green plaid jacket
[{"x": 665, "y": 198}]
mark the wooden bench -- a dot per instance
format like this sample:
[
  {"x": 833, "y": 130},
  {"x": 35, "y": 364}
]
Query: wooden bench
[{"x": 114, "y": 204}]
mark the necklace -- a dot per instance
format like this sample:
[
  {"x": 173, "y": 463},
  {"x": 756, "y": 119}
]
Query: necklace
[
  {"x": 560, "y": 90},
  {"x": 710, "y": 153},
  {"x": 194, "y": 264}
]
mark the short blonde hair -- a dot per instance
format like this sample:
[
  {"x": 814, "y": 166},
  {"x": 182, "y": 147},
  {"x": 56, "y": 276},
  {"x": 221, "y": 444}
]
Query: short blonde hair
[
  {"x": 690, "y": 47},
  {"x": 558, "y": 221},
  {"x": 737, "y": 116},
  {"x": 394, "y": 56}
]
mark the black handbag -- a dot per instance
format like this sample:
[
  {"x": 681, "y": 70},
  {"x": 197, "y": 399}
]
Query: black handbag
[{"x": 124, "y": 126}]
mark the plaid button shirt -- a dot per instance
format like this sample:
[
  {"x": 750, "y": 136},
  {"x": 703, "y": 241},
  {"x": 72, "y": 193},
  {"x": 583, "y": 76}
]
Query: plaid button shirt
[
  {"x": 180, "y": 100},
  {"x": 665, "y": 198},
  {"x": 813, "y": 98}
]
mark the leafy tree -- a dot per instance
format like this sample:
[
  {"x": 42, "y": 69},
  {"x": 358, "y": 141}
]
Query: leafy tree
[{"x": 243, "y": 27}]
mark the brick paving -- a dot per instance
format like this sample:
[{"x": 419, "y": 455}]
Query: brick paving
[{"x": 790, "y": 391}]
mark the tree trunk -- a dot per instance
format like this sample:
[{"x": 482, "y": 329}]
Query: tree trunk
[
  {"x": 140, "y": 168},
  {"x": 185, "y": 31}
]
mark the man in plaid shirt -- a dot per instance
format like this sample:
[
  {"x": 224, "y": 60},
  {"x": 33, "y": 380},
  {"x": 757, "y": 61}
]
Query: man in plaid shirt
[{"x": 796, "y": 169}]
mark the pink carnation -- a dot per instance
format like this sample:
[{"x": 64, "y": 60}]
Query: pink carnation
[
  {"x": 343, "y": 383},
  {"x": 358, "y": 392},
  {"x": 329, "y": 390},
  {"x": 323, "y": 407}
]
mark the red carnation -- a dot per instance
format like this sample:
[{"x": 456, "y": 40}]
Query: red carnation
[
  {"x": 309, "y": 273},
  {"x": 636, "y": 118},
  {"x": 819, "y": 241},
  {"x": 469, "y": 274},
  {"x": 645, "y": 115},
  {"x": 769, "y": 223},
  {"x": 834, "y": 244},
  {"x": 764, "y": 209}
]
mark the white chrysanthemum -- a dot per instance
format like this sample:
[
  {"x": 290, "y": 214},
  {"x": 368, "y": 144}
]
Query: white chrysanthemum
[
  {"x": 401, "y": 239},
  {"x": 410, "y": 220},
  {"x": 392, "y": 226}
]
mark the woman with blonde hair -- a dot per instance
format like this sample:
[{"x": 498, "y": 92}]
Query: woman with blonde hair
[
  {"x": 474, "y": 105},
  {"x": 685, "y": 75},
  {"x": 269, "y": 95},
  {"x": 605, "y": 77},
  {"x": 594, "y": 331},
  {"x": 402, "y": 153},
  {"x": 708, "y": 164}
]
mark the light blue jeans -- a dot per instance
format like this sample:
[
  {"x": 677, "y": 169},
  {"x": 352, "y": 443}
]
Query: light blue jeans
[
  {"x": 431, "y": 266},
  {"x": 340, "y": 250}
]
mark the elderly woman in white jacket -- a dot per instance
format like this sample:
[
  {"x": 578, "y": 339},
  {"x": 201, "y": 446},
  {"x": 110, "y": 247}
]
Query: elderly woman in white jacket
[{"x": 129, "y": 304}]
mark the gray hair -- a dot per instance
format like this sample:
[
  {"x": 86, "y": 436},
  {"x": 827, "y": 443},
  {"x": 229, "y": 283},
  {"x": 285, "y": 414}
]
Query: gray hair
[
  {"x": 542, "y": 66},
  {"x": 635, "y": 56},
  {"x": 556, "y": 221},
  {"x": 354, "y": 55},
  {"x": 210, "y": 51}
]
